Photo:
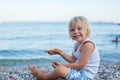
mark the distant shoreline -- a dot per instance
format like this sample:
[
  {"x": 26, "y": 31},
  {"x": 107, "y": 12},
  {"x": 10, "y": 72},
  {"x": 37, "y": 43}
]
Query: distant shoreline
[{"x": 105, "y": 72}]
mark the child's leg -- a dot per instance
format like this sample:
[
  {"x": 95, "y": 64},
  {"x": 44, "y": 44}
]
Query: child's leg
[
  {"x": 44, "y": 70},
  {"x": 60, "y": 71}
]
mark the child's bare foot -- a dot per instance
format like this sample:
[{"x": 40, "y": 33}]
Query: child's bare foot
[
  {"x": 35, "y": 71},
  {"x": 31, "y": 67}
]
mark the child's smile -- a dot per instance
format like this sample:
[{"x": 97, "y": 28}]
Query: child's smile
[{"x": 78, "y": 32}]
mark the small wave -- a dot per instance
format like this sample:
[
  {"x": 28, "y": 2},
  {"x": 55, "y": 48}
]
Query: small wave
[
  {"x": 22, "y": 54},
  {"x": 108, "y": 56},
  {"x": 24, "y": 62}
]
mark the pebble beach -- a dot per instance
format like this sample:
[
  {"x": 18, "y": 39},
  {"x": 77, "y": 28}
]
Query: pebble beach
[
  {"x": 26, "y": 44},
  {"x": 105, "y": 72}
]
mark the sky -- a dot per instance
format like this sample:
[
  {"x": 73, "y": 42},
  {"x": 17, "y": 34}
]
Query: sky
[{"x": 59, "y": 10}]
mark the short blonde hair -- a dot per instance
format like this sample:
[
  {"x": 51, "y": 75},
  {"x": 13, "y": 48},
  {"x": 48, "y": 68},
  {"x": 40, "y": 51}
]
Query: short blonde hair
[{"x": 84, "y": 22}]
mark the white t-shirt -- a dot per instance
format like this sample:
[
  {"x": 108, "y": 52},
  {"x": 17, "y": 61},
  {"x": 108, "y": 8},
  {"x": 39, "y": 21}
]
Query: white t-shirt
[{"x": 92, "y": 65}]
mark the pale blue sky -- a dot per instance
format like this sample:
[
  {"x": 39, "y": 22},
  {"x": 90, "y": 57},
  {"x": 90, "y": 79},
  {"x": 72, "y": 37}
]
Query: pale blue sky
[{"x": 59, "y": 10}]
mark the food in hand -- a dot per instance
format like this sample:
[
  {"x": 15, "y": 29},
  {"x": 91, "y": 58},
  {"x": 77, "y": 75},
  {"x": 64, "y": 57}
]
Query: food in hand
[
  {"x": 54, "y": 51},
  {"x": 50, "y": 52}
]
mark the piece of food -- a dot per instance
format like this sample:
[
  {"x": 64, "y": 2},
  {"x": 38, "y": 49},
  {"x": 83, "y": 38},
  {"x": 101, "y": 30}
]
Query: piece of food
[
  {"x": 51, "y": 52},
  {"x": 54, "y": 51}
]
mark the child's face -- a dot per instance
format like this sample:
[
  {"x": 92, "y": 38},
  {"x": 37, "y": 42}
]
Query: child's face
[{"x": 78, "y": 32}]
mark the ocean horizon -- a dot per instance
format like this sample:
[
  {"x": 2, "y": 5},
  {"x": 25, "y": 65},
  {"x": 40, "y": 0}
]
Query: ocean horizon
[{"x": 25, "y": 42}]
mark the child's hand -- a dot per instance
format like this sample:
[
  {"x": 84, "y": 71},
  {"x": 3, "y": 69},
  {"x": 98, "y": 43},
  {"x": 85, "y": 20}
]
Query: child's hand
[
  {"x": 50, "y": 52},
  {"x": 54, "y": 51},
  {"x": 55, "y": 64}
]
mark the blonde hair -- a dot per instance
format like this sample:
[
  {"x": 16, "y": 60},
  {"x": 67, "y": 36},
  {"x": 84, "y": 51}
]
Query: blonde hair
[{"x": 84, "y": 22}]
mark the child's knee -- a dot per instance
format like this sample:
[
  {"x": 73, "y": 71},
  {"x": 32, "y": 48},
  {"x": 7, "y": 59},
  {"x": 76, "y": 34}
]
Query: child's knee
[{"x": 61, "y": 71}]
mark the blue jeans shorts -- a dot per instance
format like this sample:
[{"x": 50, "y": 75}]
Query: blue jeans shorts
[{"x": 75, "y": 75}]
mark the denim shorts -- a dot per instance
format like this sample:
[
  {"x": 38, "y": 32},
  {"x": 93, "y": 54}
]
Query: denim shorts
[{"x": 75, "y": 75}]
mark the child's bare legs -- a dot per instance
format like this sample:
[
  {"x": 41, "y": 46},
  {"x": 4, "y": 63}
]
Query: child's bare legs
[{"x": 60, "y": 71}]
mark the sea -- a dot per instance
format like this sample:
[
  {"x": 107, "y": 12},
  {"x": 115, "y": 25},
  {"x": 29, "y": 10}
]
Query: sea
[{"x": 24, "y": 42}]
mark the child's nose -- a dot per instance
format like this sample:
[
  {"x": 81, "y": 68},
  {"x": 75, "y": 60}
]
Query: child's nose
[{"x": 76, "y": 31}]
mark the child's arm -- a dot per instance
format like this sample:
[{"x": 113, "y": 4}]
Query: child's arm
[
  {"x": 68, "y": 58},
  {"x": 87, "y": 49}
]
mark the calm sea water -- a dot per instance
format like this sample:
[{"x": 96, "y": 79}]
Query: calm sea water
[{"x": 25, "y": 42}]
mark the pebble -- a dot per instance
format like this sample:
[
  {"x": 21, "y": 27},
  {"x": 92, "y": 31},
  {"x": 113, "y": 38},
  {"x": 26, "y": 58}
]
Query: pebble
[{"x": 105, "y": 72}]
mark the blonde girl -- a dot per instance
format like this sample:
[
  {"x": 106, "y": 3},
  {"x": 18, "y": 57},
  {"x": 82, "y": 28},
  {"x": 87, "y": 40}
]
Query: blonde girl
[{"x": 84, "y": 62}]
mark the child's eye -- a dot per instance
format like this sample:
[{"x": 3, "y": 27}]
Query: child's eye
[
  {"x": 72, "y": 30},
  {"x": 79, "y": 28}
]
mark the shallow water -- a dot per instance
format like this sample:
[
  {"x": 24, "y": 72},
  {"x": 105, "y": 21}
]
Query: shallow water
[{"x": 25, "y": 42}]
